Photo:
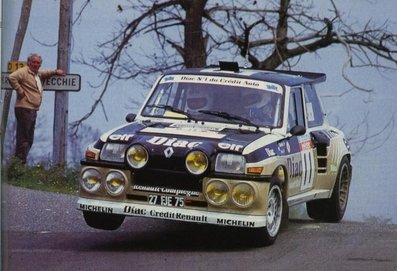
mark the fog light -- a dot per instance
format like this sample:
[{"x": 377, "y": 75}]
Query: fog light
[
  {"x": 243, "y": 195},
  {"x": 115, "y": 183},
  {"x": 91, "y": 180},
  {"x": 216, "y": 192}
]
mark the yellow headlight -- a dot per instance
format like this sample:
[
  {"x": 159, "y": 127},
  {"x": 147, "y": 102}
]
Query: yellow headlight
[
  {"x": 91, "y": 180},
  {"x": 243, "y": 195},
  {"x": 196, "y": 162},
  {"x": 217, "y": 192},
  {"x": 137, "y": 156},
  {"x": 115, "y": 183}
]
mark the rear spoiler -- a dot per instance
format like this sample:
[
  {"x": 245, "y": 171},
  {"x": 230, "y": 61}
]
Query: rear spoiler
[
  {"x": 312, "y": 76},
  {"x": 315, "y": 77}
]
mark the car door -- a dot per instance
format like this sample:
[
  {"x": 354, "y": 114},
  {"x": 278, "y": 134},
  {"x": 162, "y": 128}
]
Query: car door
[{"x": 301, "y": 163}]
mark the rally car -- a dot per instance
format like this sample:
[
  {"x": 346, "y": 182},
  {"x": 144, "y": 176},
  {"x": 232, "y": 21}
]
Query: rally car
[{"x": 220, "y": 145}]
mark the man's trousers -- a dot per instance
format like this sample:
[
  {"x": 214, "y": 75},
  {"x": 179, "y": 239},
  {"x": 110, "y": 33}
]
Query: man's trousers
[{"x": 26, "y": 121}]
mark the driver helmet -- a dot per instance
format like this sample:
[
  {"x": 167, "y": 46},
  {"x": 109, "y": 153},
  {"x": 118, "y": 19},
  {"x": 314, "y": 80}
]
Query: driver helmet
[
  {"x": 257, "y": 104},
  {"x": 199, "y": 98}
]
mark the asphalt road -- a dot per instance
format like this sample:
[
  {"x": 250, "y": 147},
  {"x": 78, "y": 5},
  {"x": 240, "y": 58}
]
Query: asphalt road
[{"x": 44, "y": 231}]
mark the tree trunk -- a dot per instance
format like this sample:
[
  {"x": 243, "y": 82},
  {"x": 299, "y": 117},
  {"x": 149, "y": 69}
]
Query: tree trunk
[
  {"x": 62, "y": 98},
  {"x": 281, "y": 41},
  {"x": 195, "y": 51}
]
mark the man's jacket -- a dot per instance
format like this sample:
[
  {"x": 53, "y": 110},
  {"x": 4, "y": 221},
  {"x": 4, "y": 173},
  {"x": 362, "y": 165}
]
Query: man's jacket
[{"x": 24, "y": 82}]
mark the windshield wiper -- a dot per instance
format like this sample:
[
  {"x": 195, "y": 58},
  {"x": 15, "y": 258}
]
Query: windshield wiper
[
  {"x": 172, "y": 109},
  {"x": 229, "y": 116}
]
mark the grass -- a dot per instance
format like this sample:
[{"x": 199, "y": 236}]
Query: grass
[{"x": 52, "y": 178}]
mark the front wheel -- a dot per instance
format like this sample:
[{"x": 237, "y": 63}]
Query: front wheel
[
  {"x": 267, "y": 235},
  {"x": 103, "y": 221},
  {"x": 333, "y": 209}
]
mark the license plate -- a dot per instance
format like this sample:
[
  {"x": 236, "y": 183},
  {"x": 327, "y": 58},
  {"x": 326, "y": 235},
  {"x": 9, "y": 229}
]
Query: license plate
[{"x": 170, "y": 201}]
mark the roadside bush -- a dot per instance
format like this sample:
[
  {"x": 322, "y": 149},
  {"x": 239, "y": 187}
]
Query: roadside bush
[{"x": 51, "y": 178}]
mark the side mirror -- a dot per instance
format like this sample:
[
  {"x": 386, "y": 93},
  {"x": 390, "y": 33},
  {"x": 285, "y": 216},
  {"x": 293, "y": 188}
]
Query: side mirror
[
  {"x": 130, "y": 117},
  {"x": 298, "y": 130}
]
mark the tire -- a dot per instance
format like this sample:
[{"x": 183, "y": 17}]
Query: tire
[
  {"x": 103, "y": 221},
  {"x": 267, "y": 235},
  {"x": 333, "y": 209}
]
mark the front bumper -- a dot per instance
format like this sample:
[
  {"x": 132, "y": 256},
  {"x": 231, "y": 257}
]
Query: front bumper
[{"x": 169, "y": 213}]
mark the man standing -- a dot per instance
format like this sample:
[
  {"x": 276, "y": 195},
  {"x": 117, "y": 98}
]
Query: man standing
[{"x": 27, "y": 82}]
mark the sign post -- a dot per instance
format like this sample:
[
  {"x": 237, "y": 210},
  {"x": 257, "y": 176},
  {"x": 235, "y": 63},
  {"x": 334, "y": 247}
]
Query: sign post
[{"x": 61, "y": 103}]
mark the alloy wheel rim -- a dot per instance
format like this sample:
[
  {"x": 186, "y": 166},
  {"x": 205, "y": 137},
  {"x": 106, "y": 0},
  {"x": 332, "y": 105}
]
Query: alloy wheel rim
[
  {"x": 344, "y": 181},
  {"x": 274, "y": 211}
]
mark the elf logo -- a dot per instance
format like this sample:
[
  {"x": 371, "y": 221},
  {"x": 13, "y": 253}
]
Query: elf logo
[{"x": 123, "y": 137}]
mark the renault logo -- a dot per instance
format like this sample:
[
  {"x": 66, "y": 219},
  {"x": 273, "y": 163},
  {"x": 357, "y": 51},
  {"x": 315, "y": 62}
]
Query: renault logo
[{"x": 168, "y": 152}]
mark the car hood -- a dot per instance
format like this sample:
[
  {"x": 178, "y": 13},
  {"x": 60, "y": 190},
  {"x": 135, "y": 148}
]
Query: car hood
[{"x": 157, "y": 138}]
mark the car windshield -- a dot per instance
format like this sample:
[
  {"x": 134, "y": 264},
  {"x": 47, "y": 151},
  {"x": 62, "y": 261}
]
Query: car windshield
[{"x": 217, "y": 99}]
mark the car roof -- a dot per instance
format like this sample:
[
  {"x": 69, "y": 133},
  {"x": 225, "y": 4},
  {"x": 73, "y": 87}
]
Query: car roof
[{"x": 229, "y": 69}]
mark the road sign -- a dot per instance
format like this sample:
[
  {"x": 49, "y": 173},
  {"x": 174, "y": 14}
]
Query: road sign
[
  {"x": 15, "y": 65},
  {"x": 68, "y": 82}
]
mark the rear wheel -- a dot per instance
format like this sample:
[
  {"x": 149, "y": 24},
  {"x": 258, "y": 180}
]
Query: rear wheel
[
  {"x": 333, "y": 209},
  {"x": 267, "y": 235},
  {"x": 103, "y": 221}
]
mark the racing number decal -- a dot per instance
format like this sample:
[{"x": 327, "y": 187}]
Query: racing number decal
[
  {"x": 307, "y": 156},
  {"x": 307, "y": 169}
]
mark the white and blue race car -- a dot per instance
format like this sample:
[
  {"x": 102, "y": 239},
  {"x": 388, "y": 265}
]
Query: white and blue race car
[{"x": 220, "y": 145}]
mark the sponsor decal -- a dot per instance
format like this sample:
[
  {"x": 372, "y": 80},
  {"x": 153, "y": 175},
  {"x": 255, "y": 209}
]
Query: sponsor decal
[
  {"x": 179, "y": 216},
  {"x": 231, "y": 147},
  {"x": 284, "y": 147},
  {"x": 270, "y": 152},
  {"x": 305, "y": 143},
  {"x": 195, "y": 129},
  {"x": 302, "y": 166},
  {"x": 173, "y": 142},
  {"x": 124, "y": 137},
  {"x": 165, "y": 214},
  {"x": 185, "y": 131},
  {"x": 233, "y": 222},
  {"x": 94, "y": 208},
  {"x": 134, "y": 210},
  {"x": 310, "y": 112},
  {"x": 271, "y": 87},
  {"x": 294, "y": 167},
  {"x": 177, "y": 192},
  {"x": 226, "y": 81}
]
